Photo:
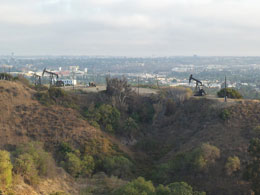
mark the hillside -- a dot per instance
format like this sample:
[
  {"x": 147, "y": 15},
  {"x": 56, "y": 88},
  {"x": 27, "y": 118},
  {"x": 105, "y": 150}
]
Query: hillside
[
  {"x": 198, "y": 121},
  {"x": 157, "y": 137},
  {"x": 24, "y": 119}
]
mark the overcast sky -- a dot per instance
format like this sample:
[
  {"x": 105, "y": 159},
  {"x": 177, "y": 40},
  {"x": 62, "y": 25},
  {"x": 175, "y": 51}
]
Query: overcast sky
[{"x": 130, "y": 27}]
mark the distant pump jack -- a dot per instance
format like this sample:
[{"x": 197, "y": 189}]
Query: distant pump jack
[
  {"x": 199, "y": 91},
  {"x": 53, "y": 82}
]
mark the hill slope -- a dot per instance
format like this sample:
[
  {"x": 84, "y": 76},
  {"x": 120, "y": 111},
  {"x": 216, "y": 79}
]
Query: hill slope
[{"x": 198, "y": 121}]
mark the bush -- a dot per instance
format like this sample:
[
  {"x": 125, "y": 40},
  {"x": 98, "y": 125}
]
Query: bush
[
  {"x": 232, "y": 165},
  {"x": 230, "y": 93},
  {"x": 252, "y": 172},
  {"x": 180, "y": 188},
  {"x": 73, "y": 161},
  {"x": 141, "y": 186},
  {"x": 130, "y": 126},
  {"x": 106, "y": 116},
  {"x": 136, "y": 187},
  {"x": 197, "y": 159},
  {"x": 225, "y": 114},
  {"x": 163, "y": 190},
  {"x": 87, "y": 165},
  {"x": 41, "y": 159},
  {"x": 57, "y": 96},
  {"x": 161, "y": 172},
  {"x": 72, "y": 164},
  {"x": 25, "y": 166},
  {"x": 256, "y": 130},
  {"x": 31, "y": 161},
  {"x": 118, "y": 166},
  {"x": 5, "y": 170}
]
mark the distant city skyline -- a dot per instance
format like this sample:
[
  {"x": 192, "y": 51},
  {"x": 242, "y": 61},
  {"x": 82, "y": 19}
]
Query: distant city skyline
[{"x": 130, "y": 28}]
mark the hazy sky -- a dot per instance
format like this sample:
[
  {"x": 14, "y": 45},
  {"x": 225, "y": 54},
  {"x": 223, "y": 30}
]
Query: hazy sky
[{"x": 130, "y": 27}]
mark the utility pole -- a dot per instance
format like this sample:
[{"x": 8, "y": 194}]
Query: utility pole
[
  {"x": 138, "y": 85},
  {"x": 73, "y": 77},
  {"x": 225, "y": 89},
  {"x": 157, "y": 82}
]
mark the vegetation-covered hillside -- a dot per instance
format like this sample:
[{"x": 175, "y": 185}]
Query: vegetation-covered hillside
[{"x": 119, "y": 142}]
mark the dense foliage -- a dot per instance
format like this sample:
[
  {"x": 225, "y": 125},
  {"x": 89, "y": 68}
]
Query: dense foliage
[
  {"x": 74, "y": 162},
  {"x": 252, "y": 173},
  {"x": 5, "y": 170},
  {"x": 32, "y": 161},
  {"x": 104, "y": 116},
  {"x": 141, "y": 186},
  {"x": 230, "y": 93},
  {"x": 232, "y": 165},
  {"x": 197, "y": 160}
]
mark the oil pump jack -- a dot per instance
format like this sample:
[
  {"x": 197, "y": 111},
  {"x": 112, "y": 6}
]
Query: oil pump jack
[
  {"x": 37, "y": 79},
  {"x": 199, "y": 91},
  {"x": 52, "y": 76}
]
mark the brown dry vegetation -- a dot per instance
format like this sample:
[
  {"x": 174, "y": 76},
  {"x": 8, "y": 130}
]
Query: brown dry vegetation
[{"x": 24, "y": 119}]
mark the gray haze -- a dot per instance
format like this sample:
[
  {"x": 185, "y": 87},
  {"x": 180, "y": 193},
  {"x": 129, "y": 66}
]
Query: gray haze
[{"x": 130, "y": 27}]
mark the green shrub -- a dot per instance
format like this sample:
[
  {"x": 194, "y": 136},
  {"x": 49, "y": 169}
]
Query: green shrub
[
  {"x": 225, "y": 114},
  {"x": 177, "y": 188},
  {"x": 73, "y": 161},
  {"x": 143, "y": 187},
  {"x": 64, "y": 148},
  {"x": 180, "y": 188},
  {"x": 31, "y": 162},
  {"x": 163, "y": 190},
  {"x": 72, "y": 164},
  {"x": 41, "y": 159},
  {"x": 252, "y": 172},
  {"x": 161, "y": 172},
  {"x": 230, "y": 93},
  {"x": 136, "y": 187},
  {"x": 5, "y": 170},
  {"x": 24, "y": 165},
  {"x": 87, "y": 165},
  {"x": 105, "y": 116},
  {"x": 206, "y": 154},
  {"x": 117, "y": 166},
  {"x": 256, "y": 130},
  {"x": 130, "y": 126},
  {"x": 232, "y": 165},
  {"x": 197, "y": 159}
]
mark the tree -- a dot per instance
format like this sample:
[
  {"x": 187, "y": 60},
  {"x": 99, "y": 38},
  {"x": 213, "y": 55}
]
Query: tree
[
  {"x": 138, "y": 186},
  {"x": 73, "y": 164},
  {"x": 232, "y": 165},
  {"x": 119, "y": 89},
  {"x": 118, "y": 166},
  {"x": 24, "y": 165},
  {"x": 252, "y": 173},
  {"x": 230, "y": 93},
  {"x": 5, "y": 170},
  {"x": 180, "y": 188},
  {"x": 163, "y": 190},
  {"x": 106, "y": 116},
  {"x": 87, "y": 165}
]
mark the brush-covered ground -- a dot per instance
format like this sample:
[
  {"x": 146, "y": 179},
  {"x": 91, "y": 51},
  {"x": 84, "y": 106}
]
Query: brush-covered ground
[{"x": 116, "y": 142}]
